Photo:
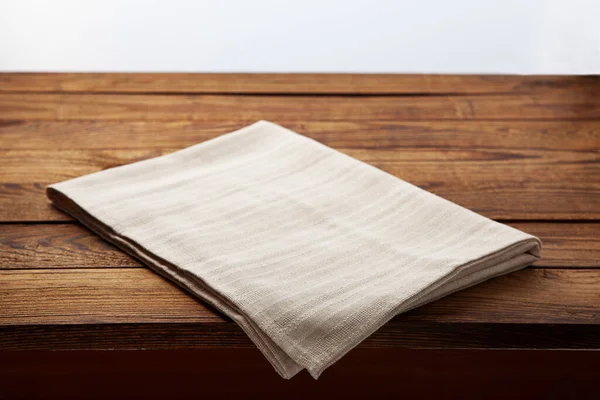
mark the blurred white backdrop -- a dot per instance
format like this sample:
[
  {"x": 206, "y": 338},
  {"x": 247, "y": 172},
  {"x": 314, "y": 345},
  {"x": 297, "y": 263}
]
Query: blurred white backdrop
[{"x": 421, "y": 36}]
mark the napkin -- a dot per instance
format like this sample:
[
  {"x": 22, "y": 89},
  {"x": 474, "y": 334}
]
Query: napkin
[{"x": 309, "y": 250}]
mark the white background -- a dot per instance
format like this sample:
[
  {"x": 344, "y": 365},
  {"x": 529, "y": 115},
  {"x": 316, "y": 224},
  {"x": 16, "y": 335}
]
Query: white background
[{"x": 440, "y": 36}]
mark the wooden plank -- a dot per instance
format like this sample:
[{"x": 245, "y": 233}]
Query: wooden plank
[
  {"x": 57, "y": 246},
  {"x": 88, "y": 296},
  {"x": 289, "y": 83},
  {"x": 444, "y": 135},
  {"x": 27, "y": 166},
  {"x": 21, "y": 202},
  {"x": 137, "y": 295},
  {"x": 237, "y": 109},
  {"x": 566, "y": 244},
  {"x": 501, "y": 183},
  {"x": 36, "y": 246}
]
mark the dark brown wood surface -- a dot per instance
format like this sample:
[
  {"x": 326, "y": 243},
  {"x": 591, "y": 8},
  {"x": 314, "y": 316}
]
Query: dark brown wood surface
[{"x": 522, "y": 150}]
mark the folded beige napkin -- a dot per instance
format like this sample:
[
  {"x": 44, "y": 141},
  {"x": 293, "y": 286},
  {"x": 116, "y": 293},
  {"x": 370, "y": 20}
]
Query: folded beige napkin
[{"x": 309, "y": 250}]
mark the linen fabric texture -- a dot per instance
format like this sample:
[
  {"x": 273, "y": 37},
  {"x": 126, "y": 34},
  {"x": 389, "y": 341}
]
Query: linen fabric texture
[{"x": 309, "y": 250}]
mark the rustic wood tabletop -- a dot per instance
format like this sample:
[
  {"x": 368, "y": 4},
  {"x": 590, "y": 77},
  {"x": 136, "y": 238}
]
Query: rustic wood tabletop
[{"x": 524, "y": 151}]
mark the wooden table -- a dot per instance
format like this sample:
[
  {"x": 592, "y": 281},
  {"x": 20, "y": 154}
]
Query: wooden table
[{"x": 522, "y": 150}]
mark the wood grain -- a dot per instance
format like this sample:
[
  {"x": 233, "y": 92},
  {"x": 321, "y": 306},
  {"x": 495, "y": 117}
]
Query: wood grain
[
  {"x": 137, "y": 295},
  {"x": 290, "y": 83},
  {"x": 57, "y": 246},
  {"x": 239, "y": 109},
  {"x": 83, "y": 296},
  {"x": 565, "y": 244},
  {"x": 27, "y": 203},
  {"x": 25, "y": 246},
  {"x": 421, "y": 165},
  {"x": 500, "y": 183},
  {"x": 547, "y": 136}
]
